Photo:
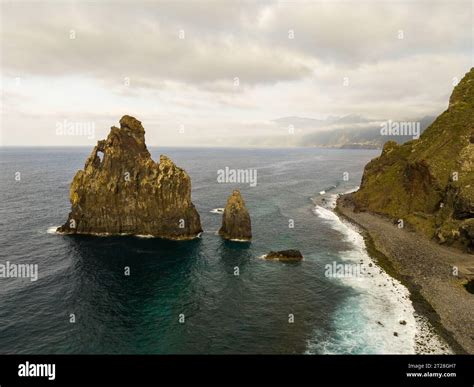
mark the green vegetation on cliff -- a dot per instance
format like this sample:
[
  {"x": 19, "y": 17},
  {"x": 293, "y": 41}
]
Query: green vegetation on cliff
[{"x": 429, "y": 182}]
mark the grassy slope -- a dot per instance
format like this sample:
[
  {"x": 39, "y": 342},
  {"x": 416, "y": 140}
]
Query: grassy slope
[{"x": 414, "y": 181}]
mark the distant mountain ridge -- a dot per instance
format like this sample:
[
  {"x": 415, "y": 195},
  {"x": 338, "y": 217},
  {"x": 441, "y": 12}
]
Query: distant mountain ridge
[{"x": 350, "y": 131}]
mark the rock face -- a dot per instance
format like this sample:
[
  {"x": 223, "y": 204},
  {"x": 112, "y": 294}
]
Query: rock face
[
  {"x": 123, "y": 191},
  {"x": 236, "y": 223},
  {"x": 429, "y": 182},
  {"x": 285, "y": 255}
]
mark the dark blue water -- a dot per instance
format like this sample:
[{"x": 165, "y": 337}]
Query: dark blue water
[{"x": 140, "y": 313}]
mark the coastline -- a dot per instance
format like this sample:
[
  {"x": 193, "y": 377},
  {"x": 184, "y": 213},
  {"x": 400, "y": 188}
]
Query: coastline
[{"x": 425, "y": 268}]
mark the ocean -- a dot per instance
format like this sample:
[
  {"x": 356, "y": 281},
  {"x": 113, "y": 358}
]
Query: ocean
[{"x": 185, "y": 296}]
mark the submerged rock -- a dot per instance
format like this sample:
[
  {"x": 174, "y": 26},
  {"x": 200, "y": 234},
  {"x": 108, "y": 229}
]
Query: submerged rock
[
  {"x": 236, "y": 223},
  {"x": 123, "y": 191},
  {"x": 285, "y": 255}
]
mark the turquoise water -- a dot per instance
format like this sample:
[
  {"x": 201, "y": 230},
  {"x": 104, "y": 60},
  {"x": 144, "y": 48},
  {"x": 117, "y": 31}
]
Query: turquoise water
[{"x": 223, "y": 313}]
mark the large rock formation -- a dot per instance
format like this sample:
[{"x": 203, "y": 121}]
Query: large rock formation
[
  {"x": 429, "y": 182},
  {"x": 236, "y": 223},
  {"x": 123, "y": 191}
]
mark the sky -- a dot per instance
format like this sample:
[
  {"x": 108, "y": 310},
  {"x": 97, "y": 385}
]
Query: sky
[{"x": 224, "y": 73}]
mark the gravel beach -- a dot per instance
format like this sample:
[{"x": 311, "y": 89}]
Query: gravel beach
[{"x": 427, "y": 269}]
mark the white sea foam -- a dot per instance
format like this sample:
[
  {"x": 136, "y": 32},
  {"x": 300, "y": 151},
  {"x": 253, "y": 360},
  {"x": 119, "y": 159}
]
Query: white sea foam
[
  {"x": 233, "y": 240},
  {"x": 52, "y": 230},
  {"x": 380, "y": 318}
]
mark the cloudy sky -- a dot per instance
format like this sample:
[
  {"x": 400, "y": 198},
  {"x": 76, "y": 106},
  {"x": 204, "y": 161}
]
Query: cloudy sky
[{"x": 223, "y": 73}]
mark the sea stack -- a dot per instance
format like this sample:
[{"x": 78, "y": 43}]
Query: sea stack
[
  {"x": 236, "y": 223},
  {"x": 123, "y": 191}
]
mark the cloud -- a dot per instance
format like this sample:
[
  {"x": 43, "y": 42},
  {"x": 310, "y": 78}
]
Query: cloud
[
  {"x": 236, "y": 70},
  {"x": 116, "y": 42},
  {"x": 354, "y": 33}
]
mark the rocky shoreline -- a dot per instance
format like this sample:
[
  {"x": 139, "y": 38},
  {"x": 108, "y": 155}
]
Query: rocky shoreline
[{"x": 427, "y": 269}]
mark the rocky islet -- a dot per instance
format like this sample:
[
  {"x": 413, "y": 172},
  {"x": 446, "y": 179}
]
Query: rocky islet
[
  {"x": 285, "y": 255},
  {"x": 122, "y": 190},
  {"x": 236, "y": 224}
]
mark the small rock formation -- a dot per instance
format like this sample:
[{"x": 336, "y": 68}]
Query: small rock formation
[
  {"x": 285, "y": 255},
  {"x": 429, "y": 182},
  {"x": 123, "y": 191},
  {"x": 236, "y": 223}
]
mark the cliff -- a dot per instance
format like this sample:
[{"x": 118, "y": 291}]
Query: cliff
[
  {"x": 429, "y": 182},
  {"x": 123, "y": 191},
  {"x": 236, "y": 223}
]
